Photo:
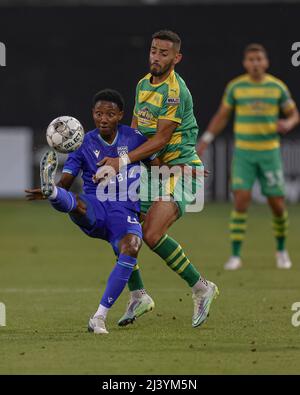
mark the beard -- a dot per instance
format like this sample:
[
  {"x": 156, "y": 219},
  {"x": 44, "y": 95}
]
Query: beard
[{"x": 159, "y": 71}]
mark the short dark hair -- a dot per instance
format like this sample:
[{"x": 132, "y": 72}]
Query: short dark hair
[
  {"x": 110, "y": 95},
  {"x": 254, "y": 47},
  {"x": 168, "y": 35}
]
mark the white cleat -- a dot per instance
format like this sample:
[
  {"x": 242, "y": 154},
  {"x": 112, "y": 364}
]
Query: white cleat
[
  {"x": 48, "y": 167},
  {"x": 283, "y": 260},
  {"x": 136, "y": 308},
  {"x": 233, "y": 263},
  {"x": 202, "y": 302},
  {"x": 97, "y": 325}
]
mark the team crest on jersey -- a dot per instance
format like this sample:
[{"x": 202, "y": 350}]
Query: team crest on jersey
[
  {"x": 97, "y": 153},
  {"x": 173, "y": 101},
  {"x": 259, "y": 107},
  {"x": 145, "y": 116},
  {"x": 123, "y": 150}
]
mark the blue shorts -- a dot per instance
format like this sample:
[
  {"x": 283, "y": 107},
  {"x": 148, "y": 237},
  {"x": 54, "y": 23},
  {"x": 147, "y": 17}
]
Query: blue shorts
[{"x": 109, "y": 221}]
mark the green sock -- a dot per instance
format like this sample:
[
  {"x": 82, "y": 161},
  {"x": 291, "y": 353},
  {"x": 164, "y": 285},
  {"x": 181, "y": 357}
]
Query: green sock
[
  {"x": 172, "y": 253},
  {"x": 237, "y": 226},
  {"x": 280, "y": 226},
  {"x": 135, "y": 281},
  {"x": 236, "y": 247}
]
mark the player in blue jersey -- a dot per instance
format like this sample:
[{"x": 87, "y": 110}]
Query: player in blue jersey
[{"x": 109, "y": 212}]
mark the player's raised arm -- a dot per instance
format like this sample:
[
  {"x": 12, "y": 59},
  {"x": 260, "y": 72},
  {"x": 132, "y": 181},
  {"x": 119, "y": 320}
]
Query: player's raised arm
[{"x": 215, "y": 126}]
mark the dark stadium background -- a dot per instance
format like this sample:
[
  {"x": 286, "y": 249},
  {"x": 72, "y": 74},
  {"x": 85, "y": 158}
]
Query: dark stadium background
[{"x": 58, "y": 57}]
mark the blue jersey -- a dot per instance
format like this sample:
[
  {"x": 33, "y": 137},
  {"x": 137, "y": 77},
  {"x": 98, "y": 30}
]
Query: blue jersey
[{"x": 125, "y": 186}]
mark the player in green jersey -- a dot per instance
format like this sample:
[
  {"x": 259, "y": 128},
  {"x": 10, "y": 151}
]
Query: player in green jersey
[
  {"x": 164, "y": 112},
  {"x": 257, "y": 98}
]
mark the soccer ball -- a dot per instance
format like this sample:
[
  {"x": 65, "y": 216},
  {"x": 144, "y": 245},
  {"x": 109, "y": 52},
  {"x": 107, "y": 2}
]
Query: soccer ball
[{"x": 65, "y": 134}]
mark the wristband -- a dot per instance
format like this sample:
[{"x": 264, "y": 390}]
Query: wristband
[
  {"x": 207, "y": 137},
  {"x": 125, "y": 160}
]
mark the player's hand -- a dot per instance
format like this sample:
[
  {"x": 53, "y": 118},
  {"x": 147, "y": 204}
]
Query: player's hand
[
  {"x": 34, "y": 194},
  {"x": 202, "y": 146},
  {"x": 283, "y": 126},
  {"x": 112, "y": 162},
  {"x": 104, "y": 175}
]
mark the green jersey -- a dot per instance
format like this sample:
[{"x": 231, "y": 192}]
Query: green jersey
[
  {"x": 257, "y": 107},
  {"x": 169, "y": 100}
]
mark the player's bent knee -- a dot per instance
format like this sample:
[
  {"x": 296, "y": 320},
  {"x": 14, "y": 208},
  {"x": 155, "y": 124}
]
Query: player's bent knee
[{"x": 130, "y": 245}]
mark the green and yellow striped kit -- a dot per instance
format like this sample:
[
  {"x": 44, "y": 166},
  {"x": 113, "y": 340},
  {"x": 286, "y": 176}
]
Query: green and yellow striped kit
[
  {"x": 169, "y": 100},
  {"x": 237, "y": 226},
  {"x": 173, "y": 254},
  {"x": 257, "y": 108}
]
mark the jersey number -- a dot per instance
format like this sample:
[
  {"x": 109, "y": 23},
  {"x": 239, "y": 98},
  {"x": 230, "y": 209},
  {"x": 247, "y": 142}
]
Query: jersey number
[{"x": 274, "y": 178}]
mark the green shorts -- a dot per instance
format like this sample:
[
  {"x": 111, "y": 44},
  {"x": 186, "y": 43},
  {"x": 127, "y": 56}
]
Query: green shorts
[
  {"x": 266, "y": 166},
  {"x": 187, "y": 192}
]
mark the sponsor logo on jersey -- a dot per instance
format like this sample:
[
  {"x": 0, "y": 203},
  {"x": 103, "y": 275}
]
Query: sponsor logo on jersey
[
  {"x": 97, "y": 153},
  {"x": 173, "y": 101},
  {"x": 145, "y": 116},
  {"x": 259, "y": 107}
]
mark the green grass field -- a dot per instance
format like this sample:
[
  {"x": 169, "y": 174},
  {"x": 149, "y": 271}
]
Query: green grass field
[{"x": 52, "y": 276}]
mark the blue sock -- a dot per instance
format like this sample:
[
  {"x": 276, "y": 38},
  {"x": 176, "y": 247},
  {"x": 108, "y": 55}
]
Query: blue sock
[
  {"x": 65, "y": 201},
  {"x": 118, "y": 279}
]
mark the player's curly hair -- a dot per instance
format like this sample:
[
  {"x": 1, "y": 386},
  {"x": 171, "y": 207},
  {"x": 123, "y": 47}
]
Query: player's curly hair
[
  {"x": 110, "y": 95},
  {"x": 168, "y": 35}
]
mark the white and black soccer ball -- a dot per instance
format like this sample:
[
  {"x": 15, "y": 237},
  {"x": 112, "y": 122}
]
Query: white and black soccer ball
[{"x": 65, "y": 134}]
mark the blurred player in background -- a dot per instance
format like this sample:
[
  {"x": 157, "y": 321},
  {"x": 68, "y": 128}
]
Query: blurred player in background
[
  {"x": 115, "y": 219},
  {"x": 257, "y": 98},
  {"x": 163, "y": 112}
]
